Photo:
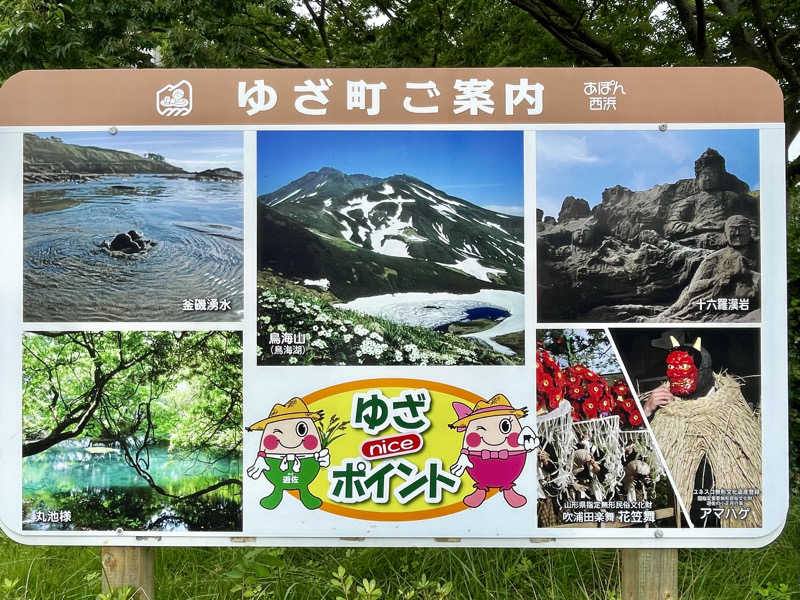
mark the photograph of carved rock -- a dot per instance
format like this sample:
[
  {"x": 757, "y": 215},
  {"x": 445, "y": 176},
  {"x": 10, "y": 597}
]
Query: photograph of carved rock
[
  {"x": 136, "y": 226},
  {"x": 648, "y": 226},
  {"x": 390, "y": 248}
]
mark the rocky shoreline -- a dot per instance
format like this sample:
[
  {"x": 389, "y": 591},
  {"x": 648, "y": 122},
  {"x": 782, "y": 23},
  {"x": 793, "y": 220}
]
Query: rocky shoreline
[
  {"x": 58, "y": 177},
  {"x": 221, "y": 174}
]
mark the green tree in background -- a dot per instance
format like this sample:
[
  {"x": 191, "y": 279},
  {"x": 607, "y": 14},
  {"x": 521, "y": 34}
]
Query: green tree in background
[
  {"x": 587, "y": 347},
  {"x": 135, "y": 390}
]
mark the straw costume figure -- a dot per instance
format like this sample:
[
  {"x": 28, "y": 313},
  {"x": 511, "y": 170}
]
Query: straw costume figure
[{"x": 700, "y": 418}]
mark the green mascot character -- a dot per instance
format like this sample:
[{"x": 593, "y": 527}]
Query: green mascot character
[{"x": 290, "y": 454}]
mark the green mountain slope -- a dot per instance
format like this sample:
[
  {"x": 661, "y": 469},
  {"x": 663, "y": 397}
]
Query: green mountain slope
[
  {"x": 288, "y": 248},
  {"x": 51, "y": 156}
]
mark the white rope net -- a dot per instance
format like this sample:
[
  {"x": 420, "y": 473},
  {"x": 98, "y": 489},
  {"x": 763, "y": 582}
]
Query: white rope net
[
  {"x": 602, "y": 435},
  {"x": 555, "y": 432},
  {"x": 641, "y": 442}
]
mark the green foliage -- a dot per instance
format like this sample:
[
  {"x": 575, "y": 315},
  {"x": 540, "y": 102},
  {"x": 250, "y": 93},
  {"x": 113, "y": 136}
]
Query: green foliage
[
  {"x": 124, "y": 593},
  {"x": 60, "y": 573},
  {"x": 776, "y": 591},
  {"x": 250, "y": 572},
  {"x": 41, "y": 34},
  {"x": 11, "y": 589},
  {"x": 429, "y": 589},
  {"x": 134, "y": 391},
  {"x": 589, "y": 347},
  {"x": 368, "y": 589},
  {"x": 793, "y": 249},
  {"x": 342, "y": 582}
]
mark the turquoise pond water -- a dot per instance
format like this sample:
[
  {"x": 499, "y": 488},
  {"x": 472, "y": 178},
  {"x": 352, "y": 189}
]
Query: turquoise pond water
[
  {"x": 102, "y": 492},
  {"x": 197, "y": 226}
]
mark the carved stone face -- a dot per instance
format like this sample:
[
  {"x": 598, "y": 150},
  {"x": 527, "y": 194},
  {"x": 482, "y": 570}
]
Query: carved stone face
[
  {"x": 709, "y": 179},
  {"x": 682, "y": 373},
  {"x": 737, "y": 230},
  {"x": 709, "y": 170}
]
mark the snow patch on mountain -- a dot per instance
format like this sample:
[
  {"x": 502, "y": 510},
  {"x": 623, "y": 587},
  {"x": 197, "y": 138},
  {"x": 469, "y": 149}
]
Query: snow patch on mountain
[
  {"x": 387, "y": 189},
  {"x": 365, "y": 205},
  {"x": 363, "y": 232},
  {"x": 439, "y": 229},
  {"x": 384, "y": 239},
  {"x": 347, "y": 233},
  {"x": 322, "y": 284},
  {"x": 469, "y": 249},
  {"x": 495, "y": 225},
  {"x": 433, "y": 310},
  {"x": 393, "y": 247},
  {"x": 287, "y": 196},
  {"x": 446, "y": 211},
  {"x": 471, "y": 266},
  {"x": 433, "y": 196}
]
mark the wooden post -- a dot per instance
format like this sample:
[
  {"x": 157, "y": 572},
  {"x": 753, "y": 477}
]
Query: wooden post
[
  {"x": 129, "y": 567},
  {"x": 649, "y": 574}
]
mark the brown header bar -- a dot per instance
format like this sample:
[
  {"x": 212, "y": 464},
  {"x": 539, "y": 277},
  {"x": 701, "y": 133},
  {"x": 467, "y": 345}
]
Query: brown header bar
[{"x": 389, "y": 96}]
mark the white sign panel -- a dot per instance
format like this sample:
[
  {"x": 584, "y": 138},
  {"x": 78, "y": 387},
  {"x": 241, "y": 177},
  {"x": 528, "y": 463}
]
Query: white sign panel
[{"x": 489, "y": 307}]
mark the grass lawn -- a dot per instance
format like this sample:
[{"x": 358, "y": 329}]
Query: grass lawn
[{"x": 50, "y": 573}]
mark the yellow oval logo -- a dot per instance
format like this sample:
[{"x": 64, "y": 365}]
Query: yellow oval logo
[{"x": 391, "y": 449}]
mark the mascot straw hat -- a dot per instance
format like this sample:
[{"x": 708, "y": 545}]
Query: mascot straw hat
[
  {"x": 293, "y": 409},
  {"x": 496, "y": 405}
]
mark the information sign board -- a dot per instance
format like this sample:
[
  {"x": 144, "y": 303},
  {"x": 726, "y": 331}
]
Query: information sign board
[{"x": 503, "y": 307}]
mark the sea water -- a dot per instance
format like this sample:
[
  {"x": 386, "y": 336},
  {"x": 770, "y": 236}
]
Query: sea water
[{"x": 197, "y": 226}]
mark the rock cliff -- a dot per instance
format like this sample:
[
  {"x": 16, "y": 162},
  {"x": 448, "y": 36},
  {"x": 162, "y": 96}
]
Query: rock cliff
[{"x": 630, "y": 257}]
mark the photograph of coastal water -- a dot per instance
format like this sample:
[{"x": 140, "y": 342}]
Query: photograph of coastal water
[
  {"x": 390, "y": 248},
  {"x": 136, "y": 226},
  {"x": 136, "y": 430}
]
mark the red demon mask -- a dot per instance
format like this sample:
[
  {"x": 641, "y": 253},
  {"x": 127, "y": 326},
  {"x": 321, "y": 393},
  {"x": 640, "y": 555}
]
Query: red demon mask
[{"x": 682, "y": 373}]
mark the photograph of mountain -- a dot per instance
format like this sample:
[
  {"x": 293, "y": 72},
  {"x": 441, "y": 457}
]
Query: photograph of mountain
[
  {"x": 648, "y": 226},
  {"x": 108, "y": 219},
  {"x": 390, "y": 247}
]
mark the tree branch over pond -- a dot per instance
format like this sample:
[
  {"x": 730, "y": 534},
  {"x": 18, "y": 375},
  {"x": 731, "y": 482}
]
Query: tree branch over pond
[{"x": 135, "y": 391}]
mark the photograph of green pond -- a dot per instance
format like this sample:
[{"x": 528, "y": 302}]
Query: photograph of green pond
[
  {"x": 109, "y": 218},
  {"x": 134, "y": 430}
]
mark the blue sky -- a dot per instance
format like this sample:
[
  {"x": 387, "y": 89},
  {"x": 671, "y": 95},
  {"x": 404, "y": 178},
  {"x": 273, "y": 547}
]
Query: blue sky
[
  {"x": 190, "y": 150},
  {"x": 584, "y": 163},
  {"x": 482, "y": 167}
]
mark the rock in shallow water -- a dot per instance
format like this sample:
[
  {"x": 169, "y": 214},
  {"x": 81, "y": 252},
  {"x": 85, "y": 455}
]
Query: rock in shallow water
[{"x": 130, "y": 243}]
